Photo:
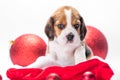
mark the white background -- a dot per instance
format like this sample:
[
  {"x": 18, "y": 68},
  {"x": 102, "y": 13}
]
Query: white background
[{"x": 18, "y": 17}]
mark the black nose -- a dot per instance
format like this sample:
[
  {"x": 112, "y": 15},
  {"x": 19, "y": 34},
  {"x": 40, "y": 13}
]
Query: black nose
[{"x": 70, "y": 37}]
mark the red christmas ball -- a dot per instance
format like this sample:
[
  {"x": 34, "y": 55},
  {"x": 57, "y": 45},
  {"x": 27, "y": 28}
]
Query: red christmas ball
[
  {"x": 96, "y": 40},
  {"x": 88, "y": 76},
  {"x": 26, "y": 49},
  {"x": 0, "y": 77},
  {"x": 53, "y": 76}
]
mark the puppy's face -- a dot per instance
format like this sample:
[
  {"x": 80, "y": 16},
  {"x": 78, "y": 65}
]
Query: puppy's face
[{"x": 66, "y": 26}]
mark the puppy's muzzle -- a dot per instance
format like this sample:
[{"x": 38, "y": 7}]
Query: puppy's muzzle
[{"x": 70, "y": 37}]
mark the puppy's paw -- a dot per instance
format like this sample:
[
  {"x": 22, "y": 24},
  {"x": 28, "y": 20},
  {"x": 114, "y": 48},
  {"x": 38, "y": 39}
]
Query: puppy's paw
[{"x": 80, "y": 54}]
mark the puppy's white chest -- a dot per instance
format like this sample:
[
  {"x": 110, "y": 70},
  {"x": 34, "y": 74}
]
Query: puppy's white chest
[{"x": 64, "y": 55}]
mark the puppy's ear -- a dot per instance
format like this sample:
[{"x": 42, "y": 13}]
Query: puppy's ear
[
  {"x": 83, "y": 29},
  {"x": 49, "y": 29}
]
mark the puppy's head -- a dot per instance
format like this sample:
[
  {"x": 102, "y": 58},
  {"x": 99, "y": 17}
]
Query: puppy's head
[{"x": 66, "y": 25}]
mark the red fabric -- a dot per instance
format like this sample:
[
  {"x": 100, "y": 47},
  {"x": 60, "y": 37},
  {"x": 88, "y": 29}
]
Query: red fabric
[{"x": 101, "y": 70}]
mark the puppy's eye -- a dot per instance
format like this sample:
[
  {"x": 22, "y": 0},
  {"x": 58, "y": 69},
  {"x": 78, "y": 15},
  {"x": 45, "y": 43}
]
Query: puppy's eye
[
  {"x": 76, "y": 26},
  {"x": 60, "y": 26}
]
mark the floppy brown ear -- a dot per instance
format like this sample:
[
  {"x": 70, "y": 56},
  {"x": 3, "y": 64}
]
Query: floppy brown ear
[
  {"x": 83, "y": 29},
  {"x": 49, "y": 28}
]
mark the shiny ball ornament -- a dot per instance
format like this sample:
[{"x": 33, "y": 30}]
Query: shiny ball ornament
[
  {"x": 26, "y": 48},
  {"x": 97, "y": 41}
]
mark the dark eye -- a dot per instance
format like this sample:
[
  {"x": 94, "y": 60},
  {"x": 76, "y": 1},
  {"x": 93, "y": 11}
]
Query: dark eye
[
  {"x": 76, "y": 26},
  {"x": 60, "y": 26}
]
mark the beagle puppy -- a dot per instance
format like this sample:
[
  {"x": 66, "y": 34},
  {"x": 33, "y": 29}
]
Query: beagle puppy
[{"x": 66, "y": 31}]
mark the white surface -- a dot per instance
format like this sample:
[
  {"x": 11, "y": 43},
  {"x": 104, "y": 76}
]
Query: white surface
[{"x": 18, "y": 17}]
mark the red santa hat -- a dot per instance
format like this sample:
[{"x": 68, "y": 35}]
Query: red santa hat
[{"x": 100, "y": 71}]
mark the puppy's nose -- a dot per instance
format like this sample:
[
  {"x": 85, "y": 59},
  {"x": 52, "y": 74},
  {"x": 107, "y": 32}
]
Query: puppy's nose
[{"x": 70, "y": 37}]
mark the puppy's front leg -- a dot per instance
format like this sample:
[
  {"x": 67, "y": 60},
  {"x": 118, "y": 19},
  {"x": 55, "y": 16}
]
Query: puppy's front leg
[
  {"x": 80, "y": 54},
  {"x": 42, "y": 62}
]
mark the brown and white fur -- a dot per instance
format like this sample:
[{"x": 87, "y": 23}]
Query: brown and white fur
[{"x": 66, "y": 31}]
